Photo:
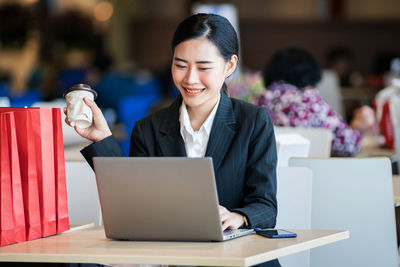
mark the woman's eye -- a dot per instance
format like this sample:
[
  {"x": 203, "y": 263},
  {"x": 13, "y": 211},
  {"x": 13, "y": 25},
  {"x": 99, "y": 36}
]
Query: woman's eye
[
  {"x": 180, "y": 66},
  {"x": 204, "y": 69}
]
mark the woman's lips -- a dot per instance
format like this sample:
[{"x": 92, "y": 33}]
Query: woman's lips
[{"x": 193, "y": 91}]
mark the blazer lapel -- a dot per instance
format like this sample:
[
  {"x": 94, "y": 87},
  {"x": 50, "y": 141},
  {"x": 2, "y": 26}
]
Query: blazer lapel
[
  {"x": 222, "y": 131},
  {"x": 170, "y": 141}
]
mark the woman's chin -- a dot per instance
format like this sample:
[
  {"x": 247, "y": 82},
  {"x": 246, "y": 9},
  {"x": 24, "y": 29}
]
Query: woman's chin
[{"x": 190, "y": 102}]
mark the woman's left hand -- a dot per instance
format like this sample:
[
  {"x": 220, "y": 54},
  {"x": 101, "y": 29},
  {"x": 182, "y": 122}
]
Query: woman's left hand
[{"x": 230, "y": 220}]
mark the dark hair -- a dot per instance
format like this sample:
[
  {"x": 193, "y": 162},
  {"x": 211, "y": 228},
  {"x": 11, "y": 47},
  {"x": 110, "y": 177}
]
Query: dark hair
[
  {"x": 215, "y": 28},
  {"x": 292, "y": 65}
]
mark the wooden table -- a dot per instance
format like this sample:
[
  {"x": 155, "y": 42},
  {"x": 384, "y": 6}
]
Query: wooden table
[
  {"x": 376, "y": 151},
  {"x": 91, "y": 246}
]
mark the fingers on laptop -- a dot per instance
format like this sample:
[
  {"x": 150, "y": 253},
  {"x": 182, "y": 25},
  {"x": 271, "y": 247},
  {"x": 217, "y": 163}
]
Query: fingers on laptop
[
  {"x": 230, "y": 220},
  {"x": 223, "y": 213}
]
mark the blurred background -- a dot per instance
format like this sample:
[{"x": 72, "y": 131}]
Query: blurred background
[{"x": 122, "y": 48}]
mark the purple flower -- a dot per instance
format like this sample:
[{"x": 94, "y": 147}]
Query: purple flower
[{"x": 290, "y": 106}]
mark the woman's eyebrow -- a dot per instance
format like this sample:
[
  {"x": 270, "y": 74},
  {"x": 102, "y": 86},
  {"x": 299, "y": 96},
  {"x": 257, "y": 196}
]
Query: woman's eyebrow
[
  {"x": 179, "y": 59},
  {"x": 197, "y": 62},
  {"x": 204, "y": 62}
]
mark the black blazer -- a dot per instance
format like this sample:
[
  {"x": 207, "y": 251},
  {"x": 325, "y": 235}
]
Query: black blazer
[{"x": 241, "y": 144}]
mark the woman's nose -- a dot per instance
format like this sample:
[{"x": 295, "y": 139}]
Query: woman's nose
[{"x": 191, "y": 76}]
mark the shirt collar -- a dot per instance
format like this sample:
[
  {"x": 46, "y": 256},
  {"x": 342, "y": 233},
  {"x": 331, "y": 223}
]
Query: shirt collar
[{"x": 184, "y": 121}]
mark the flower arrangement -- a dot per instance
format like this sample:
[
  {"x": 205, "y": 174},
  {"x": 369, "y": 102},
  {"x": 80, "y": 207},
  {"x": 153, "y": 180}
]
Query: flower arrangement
[{"x": 246, "y": 86}]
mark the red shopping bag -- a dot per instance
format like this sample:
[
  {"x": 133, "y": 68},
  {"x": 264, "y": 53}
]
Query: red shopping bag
[
  {"x": 7, "y": 233},
  {"x": 60, "y": 178},
  {"x": 41, "y": 157},
  {"x": 386, "y": 125},
  {"x": 17, "y": 197},
  {"x": 28, "y": 168},
  {"x": 42, "y": 127}
]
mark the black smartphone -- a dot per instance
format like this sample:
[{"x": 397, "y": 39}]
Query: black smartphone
[{"x": 275, "y": 233}]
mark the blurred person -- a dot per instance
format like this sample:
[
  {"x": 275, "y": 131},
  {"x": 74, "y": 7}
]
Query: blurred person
[
  {"x": 387, "y": 105},
  {"x": 108, "y": 83},
  {"x": 57, "y": 70},
  {"x": 290, "y": 77},
  {"x": 341, "y": 60}
]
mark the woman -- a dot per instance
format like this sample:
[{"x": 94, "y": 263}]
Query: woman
[
  {"x": 204, "y": 121},
  {"x": 292, "y": 100}
]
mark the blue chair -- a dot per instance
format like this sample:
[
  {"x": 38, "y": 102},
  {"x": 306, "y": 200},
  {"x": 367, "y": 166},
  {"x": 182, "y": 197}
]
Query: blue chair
[
  {"x": 4, "y": 89},
  {"x": 25, "y": 99},
  {"x": 69, "y": 77},
  {"x": 113, "y": 87},
  {"x": 150, "y": 86},
  {"x": 132, "y": 109}
]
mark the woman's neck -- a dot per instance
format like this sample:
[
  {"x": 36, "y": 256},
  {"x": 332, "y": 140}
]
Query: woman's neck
[{"x": 198, "y": 115}]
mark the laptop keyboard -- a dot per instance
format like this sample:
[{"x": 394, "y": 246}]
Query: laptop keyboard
[{"x": 232, "y": 232}]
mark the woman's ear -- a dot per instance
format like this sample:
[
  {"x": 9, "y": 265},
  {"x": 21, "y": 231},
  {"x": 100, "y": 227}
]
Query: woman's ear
[{"x": 231, "y": 66}]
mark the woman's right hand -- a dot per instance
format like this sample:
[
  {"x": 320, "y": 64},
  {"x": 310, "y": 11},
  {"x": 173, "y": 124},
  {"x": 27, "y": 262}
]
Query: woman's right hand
[
  {"x": 230, "y": 220},
  {"x": 99, "y": 128}
]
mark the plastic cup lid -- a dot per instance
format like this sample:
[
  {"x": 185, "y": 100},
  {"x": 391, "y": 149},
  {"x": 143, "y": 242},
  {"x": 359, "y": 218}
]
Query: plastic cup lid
[{"x": 81, "y": 86}]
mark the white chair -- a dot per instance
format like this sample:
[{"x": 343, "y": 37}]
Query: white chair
[
  {"x": 290, "y": 145},
  {"x": 396, "y": 157},
  {"x": 294, "y": 189},
  {"x": 354, "y": 194},
  {"x": 83, "y": 199},
  {"x": 320, "y": 138}
]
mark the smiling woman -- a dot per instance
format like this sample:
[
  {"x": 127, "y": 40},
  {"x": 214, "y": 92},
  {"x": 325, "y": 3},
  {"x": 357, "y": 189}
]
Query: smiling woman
[{"x": 204, "y": 122}]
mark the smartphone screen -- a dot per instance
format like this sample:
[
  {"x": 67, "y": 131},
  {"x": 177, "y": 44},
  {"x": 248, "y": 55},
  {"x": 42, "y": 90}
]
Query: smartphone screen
[{"x": 275, "y": 233}]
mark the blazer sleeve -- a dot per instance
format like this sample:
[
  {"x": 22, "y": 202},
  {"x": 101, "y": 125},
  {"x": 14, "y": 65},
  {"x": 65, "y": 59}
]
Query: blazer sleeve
[
  {"x": 108, "y": 147},
  {"x": 138, "y": 146},
  {"x": 260, "y": 204}
]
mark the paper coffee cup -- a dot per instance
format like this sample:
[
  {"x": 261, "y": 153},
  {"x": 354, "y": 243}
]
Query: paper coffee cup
[{"x": 78, "y": 113}]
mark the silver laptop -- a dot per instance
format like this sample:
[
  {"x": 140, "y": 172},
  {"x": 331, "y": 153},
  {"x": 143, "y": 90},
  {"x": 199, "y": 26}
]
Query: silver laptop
[{"x": 160, "y": 198}]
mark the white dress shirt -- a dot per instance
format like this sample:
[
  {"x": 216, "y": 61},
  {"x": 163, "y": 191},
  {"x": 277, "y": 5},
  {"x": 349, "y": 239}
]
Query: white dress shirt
[{"x": 195, "y": 141}]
